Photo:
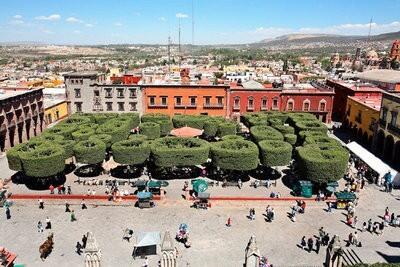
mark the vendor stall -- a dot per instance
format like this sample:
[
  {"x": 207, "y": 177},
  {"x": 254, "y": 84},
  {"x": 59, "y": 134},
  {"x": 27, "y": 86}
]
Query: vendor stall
[
  {"x": 199, "y": 185},
  {"x": 144, "y": 199},
  {"x": 154, "y": 187},
  {"x": 343, "y": 198},
  {"x": 146, "y": 244},
  {"x": 202, "y": 201}
]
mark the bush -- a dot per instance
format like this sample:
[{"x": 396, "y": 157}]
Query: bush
[
  {"x": 211, "y": 126},
  {"x": 321, "y": 140},
  {"x": 90, "y": 151},
  {"x": 322, "y": 164},
  {"x": 155, "y": 117},
  {"x": 165, "y": 127},
  {"x": 178, "y": 151},
  {"x": 304, "y": 134},
  {"x": 63, "y": 129},
  {"x": 189, "y": 120},
  {"x": 238, "y": 155},
  {"x": 131, "y": 152},
  {"x": 43, "y": 161},
  {"x": 274, "y": 122},
  {"x": 232, "y": 137},
  {"x": 83, "y": 133},
  {"x": 150, "y": 129},
  {"x": 275, "y": 153},
  {"x": 106, "y": 138},
  {"x": 226, "y": 128},
  {"x": 284, "y": 129},
  {"x": 119, "y": 130},
  {"x": 300, "y": 116},
  {"x": 13, "y": 155},
  {"x": 137, "y": 137},
  {"x": 75, "y": 120},
  {"x": 290, "y": 138},
  {"x": 132, "y": 119},
  {"x": 257, "y": 118},
  {"x": 315, "y": 126},
  {"x": 68, "y": 146},
  {"x": 260, "y": 133},
  {"x": 47, "y": 137}
]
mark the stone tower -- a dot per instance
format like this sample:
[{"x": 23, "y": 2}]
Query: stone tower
[
  {"x": 252, "y": 255},
  {"x": 334, "y": 253},
  {"x": 168, "y": 252},
  {"x": 92, "y": 252}
]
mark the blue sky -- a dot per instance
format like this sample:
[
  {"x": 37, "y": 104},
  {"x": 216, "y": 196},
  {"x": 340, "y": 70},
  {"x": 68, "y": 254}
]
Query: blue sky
[{"x": 216, "y": 21}]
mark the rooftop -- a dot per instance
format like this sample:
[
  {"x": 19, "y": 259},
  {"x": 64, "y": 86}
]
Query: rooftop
[
  {"x": 83, "y": 74},
  {"x": 373, "y": 102},
  {"x": 386, "y": 76},
  {"x": 4, "y": 94},
  {"x": 357, "y": 86}
]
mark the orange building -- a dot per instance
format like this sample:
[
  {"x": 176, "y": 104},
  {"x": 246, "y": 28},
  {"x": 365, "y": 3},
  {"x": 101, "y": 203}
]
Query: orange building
[
  {"x": 395, "y": 51},
  {"x": 186, "y": 99}
]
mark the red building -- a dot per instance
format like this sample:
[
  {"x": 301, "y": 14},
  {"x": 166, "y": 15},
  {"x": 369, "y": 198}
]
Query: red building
[
  {"x": 126, "y": 79},
  {"x": 345, "y": 89},
  {"x": 395, "y": 51}
]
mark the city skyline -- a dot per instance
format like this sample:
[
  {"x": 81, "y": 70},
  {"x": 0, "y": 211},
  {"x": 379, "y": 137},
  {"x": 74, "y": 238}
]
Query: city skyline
[{"x": 218, "y": 22}]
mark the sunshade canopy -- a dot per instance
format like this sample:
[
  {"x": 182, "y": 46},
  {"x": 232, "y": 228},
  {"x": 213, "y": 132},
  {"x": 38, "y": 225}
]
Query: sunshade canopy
[
  {"x": 144, "y": 195},
  {"x": 200, "y": 185},
  {"x": 144, "y": 239},
  {"x": 186, "y": 132}
]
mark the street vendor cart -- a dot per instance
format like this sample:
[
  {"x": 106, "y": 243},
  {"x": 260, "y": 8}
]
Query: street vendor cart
[
  {"x": 199, "y": 185},
  {"x": 343, "y": 198},
  {"x": 144, "y": 200},
  {"x": 7, "y": 258},
  {"x": 154, "y": 187},
  {"x": 202, "y": 201}
]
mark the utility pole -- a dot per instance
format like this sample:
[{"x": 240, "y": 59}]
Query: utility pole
[
  {"x": 179, "y": 43},
  {"x": 369, "y": 32}
]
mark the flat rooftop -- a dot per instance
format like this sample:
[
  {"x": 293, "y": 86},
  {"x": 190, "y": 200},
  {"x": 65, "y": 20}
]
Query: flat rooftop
[
  {"x": 361, "y": 87},
  {"x": 370, "y": 102},
  {"x": 4, "y": 94},
  {"x": 83, "y": 74},
  {"x": 386, "y": 76}
]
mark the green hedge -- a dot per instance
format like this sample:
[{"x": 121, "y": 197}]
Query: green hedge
[
  {"x": 177, "y": 151},
  {"x": 321, "y": 140},
  {"x": 137, "y": 137},
  {"x": 232, "y": 137},
  {"x": 68, "y": 146},
  {"x": 131, "y": 152},
  {"x": 76, "y": 120},
  {"x": 150, "y": 129},
  {"x": 190, "y": 121},
  {"x": 211, "y": 126},
  {"x": 275, "y": 153},
  {"x": 43, "y": 161},
  {"x": 13, "y": 154},
  {"x": 284, "y": 129},
  {"x": 119, "y": 130},
  {"x": 47, "y": 137},
  {"x": 261, "y": 132},
  {"x": 90, "y": 151},
  {"x": 83, "y": 133},
  {"x": 155, "y": 117},
  {"x": 106, "y": 138},
  {"x": 304, "y": 134},
  {"x": 63, "y": 129},
  {"x": 131, "y": 118},
  {"x": 274, "y": 122},
  {"x": 165, "y": 127},
  {"x": 321, "y": 164},
  {"x": 256, "y": 118},
  {"x": 300, "y": 116},
  {"x": 226, "y": 128},
  {"x": 315, "y": 126},
  {"x": 235, "y": 155},
  {"x": 290, "y": 138}
]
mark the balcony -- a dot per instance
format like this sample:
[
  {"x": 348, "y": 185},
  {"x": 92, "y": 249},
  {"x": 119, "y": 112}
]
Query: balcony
[
  {"x": 191, "y": 106},
  {"x": 236, "y": 108},
  {"x": 159, "y": 106},
  {"x": 394, "y": 129},
  {"x": 213, "y": 106},
  {"x": 382, "y": 123},
  {"x": 179, "y": 106},
  {"x": 250, "y": 108}
]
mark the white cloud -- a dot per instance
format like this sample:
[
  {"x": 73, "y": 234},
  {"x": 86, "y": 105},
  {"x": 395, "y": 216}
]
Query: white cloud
[
  {"x": 77, "y": 32},
  {"x": 52, "y": 17},
  {"x": 16, "y": 22},
  {"x": 162, "y": 19},
  {"x": 118, "y": 24},
  {"x": 89, "y": 25},
  {"x": 73, "y": 20},
  {"x": 47, "y": 32},
  {"x": 17, "y": 17},
  {"x": 181, "y": 15}
]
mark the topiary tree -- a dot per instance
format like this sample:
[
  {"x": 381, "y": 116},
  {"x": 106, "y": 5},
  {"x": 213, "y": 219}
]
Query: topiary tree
[
  {"x": 315, "y": 126},
  {"x": 137, "y": 137},
  {"x": 275, "y": 153},
  {"x": 119, "y": 130},
  {"x": 211, "y": 126},
  {"x": 76, "y": 120},
  {"x": 43, "y": 161},
  {"x": 256, "y": 118},
  {"x": 47, "y": 137},
  {"x": 237, "y": 155},
  {"x": 261, "y": 132},
  {"x": 13, "y": 155},
  {"x": 83, "y": 133},
  {"x": 300, "y": 116},
  {"x": 131, "y": 152},
  {"x": 68, "y": 146},
  {"x": 132, "y": 119},
  {"x": 274, "y": 122},
  {"x": 155, "y": 117},
  {"x": 290, "y": 138},
  {"x": 150, "y": 129},
  {"x": 90, "y": 151},
  {"x": 226, "y": 128},
  {"x": 106, "y": 138},
  {"x": 284, "y": 129},
  {"x": 232, "y": 137},
  {"x": 178, "y": 151},
  {"x": 63, "y": 129},
  {"x": 165, "y": 127},
  {"x": 304, "y": 134},
  {"x": 189, "y": 120},
  {"x": 322, "y": 164},
  {"x": 321, "y": 140}
]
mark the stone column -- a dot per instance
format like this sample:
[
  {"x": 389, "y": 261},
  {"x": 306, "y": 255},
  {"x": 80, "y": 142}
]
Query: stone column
[
  {"x": 334, "y": 253},
  {"x": 252, "y": 253},
  {"x": 168, "y": 252},
  {"x": 92, "y": 252}
]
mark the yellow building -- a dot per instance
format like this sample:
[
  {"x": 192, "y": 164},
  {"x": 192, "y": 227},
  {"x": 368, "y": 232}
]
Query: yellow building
[
  {"x": 362, "y": 116},
  {"x": 54, "y": 110},
  {"x": 387, "y": 137}
]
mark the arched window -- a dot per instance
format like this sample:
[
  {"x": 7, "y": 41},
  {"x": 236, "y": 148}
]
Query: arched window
[
  {"x": 264, "y": 103},
  {"x": 322, "y": 105},
  {"x": 250, "y": 103},
  {"x": 236, "y": 103},
  {"x": 306, "y": 105},
  {"x": 290, "y": 105},
  {"x": 275, "y": 103}
]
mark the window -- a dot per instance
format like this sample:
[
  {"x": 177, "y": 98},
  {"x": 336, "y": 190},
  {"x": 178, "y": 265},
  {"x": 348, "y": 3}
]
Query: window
[
  {"x": 109, "y": 106},
  {"x": 120, "y": 93},
  {"x": 78, "y": 107},
  {"x": 264, "y": 103},
  {"x": 250, "y": 103},
  {"x": 152, "y": 100},
  {"x": 306, "y": 105},
  {"x": 393, "y": 121},
  {"x": 236, "y": 103},
  {"x": 290, "y": 105},
  {"x": 192, "y": 101},
  {"x": 275, "y": 103},
  {"x": 72, "y": 81},
  {"x": 384, "y": 114},
  {"x": 57, "y": 115},
  {"x": 77, "y": 93},
  {"x": 108, "y": 92},
  {"x": 96, "y": 93},
  {"x": 322, "y": 105},
  {"x": 349, "y": 111},
  {"x": 178, "y": 101},
  {"x": 49, "y": 120},
  {"x": 132, "y": 106},
  {"x": 121, "y": 106},
  {"x": 207, "y": 100},
  {"x": 358, "y": 118},
  {"x": 220, "y": 100},
  {"x": 164, "y": 100},
  {"x": 132, "y": 92}
]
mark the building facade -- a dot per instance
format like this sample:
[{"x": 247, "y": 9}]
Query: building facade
[
  {"x": 186, "y": 99},
  {"x": 21, "y": 116},
  {"x": 387, "y": 135},
  {"x": 55, "y": 110},
  {"x": 362, "y": 116},
  {"x": 395, "y": 51},
  {"x": 89, "y": 92}
]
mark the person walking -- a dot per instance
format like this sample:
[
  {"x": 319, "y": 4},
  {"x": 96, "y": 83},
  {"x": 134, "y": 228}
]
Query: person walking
[
  {"x": 67, "y": 207},
  {"x": 303, "y": 242},
  {"x": 83, "y": 204},
  {"x": 329, "y": 206},
  {"x": 8, "y": 213},
  {"x": 146, "y": 262},
  {"x": 317, "y": 245},
  {"x": 364, "y": 227},
  {"x": 229, "y": 222},
  {"x": 370, "y": 225},
  {"x": 78, "y": 248},
  {"x": 40, "y": 227},
  {"x": 41, "y": 203},
  {"x": 69, "y": 191},
  {"x": 355, "y": 221},
  {"x": 73, "y": 218},
  {"x": 48, "y": 223},
  {"x": 51, "y": 188},
  {"x": 310, "y": 244},
  {"x": 84, "y": 240}
]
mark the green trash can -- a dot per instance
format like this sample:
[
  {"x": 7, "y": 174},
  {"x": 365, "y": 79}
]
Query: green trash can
[{"x": 306, "y": 189}]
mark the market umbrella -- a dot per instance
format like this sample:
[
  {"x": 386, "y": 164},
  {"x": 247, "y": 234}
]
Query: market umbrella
[
  {"x": 199, "y": 185},
  {"x": 186, "y": 132}
]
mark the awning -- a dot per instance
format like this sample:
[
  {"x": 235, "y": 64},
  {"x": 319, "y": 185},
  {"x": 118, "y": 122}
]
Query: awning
[
  {"x": 153, "y": 184},
  {"x": 371, "y": 160},
  {"x": 200, "y": 185},
  {"x": 144, "y": 239},
  {"x": 186, "y": 132},
  {"x": 203, "y": 195},
  {"x": 144, "y": 195}
]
